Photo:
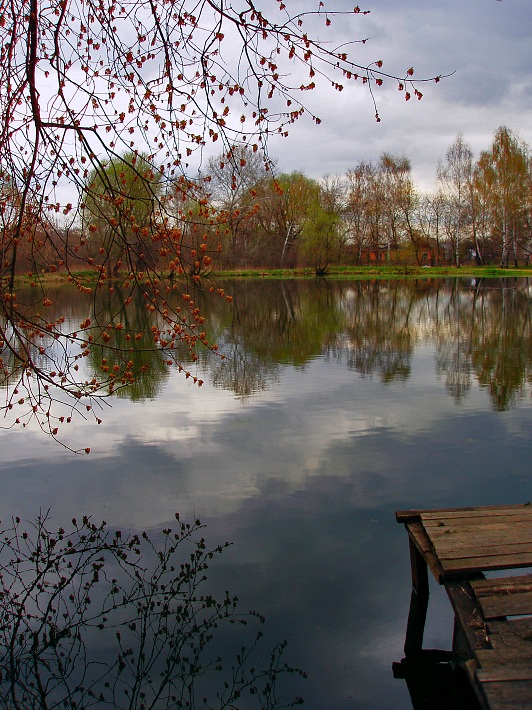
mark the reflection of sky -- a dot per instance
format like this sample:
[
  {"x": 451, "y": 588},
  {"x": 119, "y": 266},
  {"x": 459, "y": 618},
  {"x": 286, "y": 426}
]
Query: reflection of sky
[
  {"x": 207, "y": 450},
  {"x": 304, "y": 478}
]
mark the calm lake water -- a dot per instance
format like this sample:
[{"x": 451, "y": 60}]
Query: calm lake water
[{"x": 338, "y": 403}]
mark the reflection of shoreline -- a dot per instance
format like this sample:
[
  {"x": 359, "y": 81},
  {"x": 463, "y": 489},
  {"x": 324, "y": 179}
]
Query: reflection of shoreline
[{"x": 371, "y": 326}]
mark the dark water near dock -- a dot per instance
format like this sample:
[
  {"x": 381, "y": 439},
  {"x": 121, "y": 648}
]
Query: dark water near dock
[{"x": 338, "y": 404}]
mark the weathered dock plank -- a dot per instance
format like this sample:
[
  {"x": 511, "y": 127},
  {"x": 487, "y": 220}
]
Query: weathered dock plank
[
  {"x": 485, "y": 563},
  {"x": 405, "y": 516},
  {"x": 510, "y": 596}
]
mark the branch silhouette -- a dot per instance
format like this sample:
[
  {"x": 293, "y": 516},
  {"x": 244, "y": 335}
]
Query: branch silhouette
[{"x": 94, "y": 618}]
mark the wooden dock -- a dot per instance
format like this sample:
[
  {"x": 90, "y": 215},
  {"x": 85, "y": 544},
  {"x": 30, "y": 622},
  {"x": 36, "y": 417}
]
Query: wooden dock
[{"x": 493, "y": 617}]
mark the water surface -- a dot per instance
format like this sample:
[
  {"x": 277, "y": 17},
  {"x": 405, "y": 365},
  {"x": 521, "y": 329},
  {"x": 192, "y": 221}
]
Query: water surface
[{"x": 338, "y": 403}]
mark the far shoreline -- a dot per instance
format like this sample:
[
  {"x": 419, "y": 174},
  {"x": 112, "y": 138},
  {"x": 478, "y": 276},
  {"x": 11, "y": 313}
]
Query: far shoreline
[{"x": 334, "y": 273}]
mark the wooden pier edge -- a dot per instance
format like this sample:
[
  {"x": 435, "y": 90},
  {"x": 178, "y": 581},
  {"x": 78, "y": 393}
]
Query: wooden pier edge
[
  {"x": 490, "y": 643},
  {"x": 407, "y": 516}
]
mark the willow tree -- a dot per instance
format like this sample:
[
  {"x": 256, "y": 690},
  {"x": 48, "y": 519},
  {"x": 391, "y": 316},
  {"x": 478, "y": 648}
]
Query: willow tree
[
  {"x": 324, "y": 234},
  {"x": 84, "y": 83},
  {"x": 120, "y": 211}
]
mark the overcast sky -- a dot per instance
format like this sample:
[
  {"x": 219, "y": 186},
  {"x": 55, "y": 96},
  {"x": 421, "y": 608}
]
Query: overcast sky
[{"x": 487, "y": 43}]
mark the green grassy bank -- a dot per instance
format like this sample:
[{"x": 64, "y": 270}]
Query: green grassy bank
[
  {"x": 335, "y": 272},
  {"x": 382, "y": 272}
]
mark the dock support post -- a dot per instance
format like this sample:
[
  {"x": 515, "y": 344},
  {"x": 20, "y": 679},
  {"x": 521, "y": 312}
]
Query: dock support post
[{"x": 419, "y": 601}]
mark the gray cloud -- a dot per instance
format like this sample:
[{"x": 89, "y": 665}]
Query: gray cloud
[{"x": 484, "y": 42}]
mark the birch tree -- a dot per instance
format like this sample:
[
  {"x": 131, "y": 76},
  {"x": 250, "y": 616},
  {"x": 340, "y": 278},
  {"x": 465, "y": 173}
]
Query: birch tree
[
  {"x": 454, "y": 177},
  {"x": 503, "y": 172}
]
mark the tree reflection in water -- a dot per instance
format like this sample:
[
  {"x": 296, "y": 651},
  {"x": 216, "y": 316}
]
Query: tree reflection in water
[
  {"x": 481, "y": 331},
  {"x": 94, "y": 618}
]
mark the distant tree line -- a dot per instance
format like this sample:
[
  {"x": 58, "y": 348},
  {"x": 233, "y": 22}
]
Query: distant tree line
[{"x": 481, "y": 211}]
